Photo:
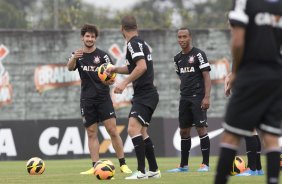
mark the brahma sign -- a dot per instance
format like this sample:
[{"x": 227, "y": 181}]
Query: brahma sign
[
  {"x": 54, "y": 76},
  {"x": 5, "y": 86}
]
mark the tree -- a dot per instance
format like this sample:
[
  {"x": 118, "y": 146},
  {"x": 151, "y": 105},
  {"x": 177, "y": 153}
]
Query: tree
[
  {"x": 11, "y": 17},
  {"x": 150, "y": 14}
]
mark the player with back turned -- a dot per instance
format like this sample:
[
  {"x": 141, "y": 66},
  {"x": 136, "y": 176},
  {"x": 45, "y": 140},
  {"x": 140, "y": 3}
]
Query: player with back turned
[
  {"x": 253, "y": 144},
  {"x": 95, "y": 101},
  {"x": 140, "y": 68},
  {"x": 256, "y": 82}
]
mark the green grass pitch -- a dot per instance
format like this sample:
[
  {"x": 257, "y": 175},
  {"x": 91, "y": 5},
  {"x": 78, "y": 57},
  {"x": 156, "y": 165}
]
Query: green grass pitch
[{"x": 67, "y": 171}]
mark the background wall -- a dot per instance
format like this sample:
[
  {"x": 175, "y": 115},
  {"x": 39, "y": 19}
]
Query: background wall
[
  {"x": 29, "y": 50},
  {"x": 61, "y": 139}
]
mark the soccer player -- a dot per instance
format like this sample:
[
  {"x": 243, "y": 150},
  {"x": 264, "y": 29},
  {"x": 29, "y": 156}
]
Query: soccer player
[
  {"x": 193, "y": 69},
  {"x": 95, "y": 101},
  {"x": 253, "y": 144},
  {"x": 145, "y": 98},
  {"x": 256, "y": 101}
]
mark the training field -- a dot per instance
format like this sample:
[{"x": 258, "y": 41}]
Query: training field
[{"x": 67, "y": 171}]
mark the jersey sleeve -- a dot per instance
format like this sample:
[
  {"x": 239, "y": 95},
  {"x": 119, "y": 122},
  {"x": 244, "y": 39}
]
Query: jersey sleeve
[
  {"x": 238, "y": 16},
  {"x": 204, "y": 64},
  {"x": 136, "y": 50},
  {"x": 107, "y": 58},
  {"x": 175, "y": 61}
]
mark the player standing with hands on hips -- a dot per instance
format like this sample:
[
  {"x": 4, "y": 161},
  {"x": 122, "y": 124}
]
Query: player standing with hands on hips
[
  {"x": 95, "y": 101},
  {"x": 193, "y": 69},
  {"x": 145, "y": 98},
  {"x": 256, "y": 82}
]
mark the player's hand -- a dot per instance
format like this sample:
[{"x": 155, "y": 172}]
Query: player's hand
[
  {"x": 205, "y": 103},
  {"x": 228, "y": 83},
  {"x": 110, "y": 70},
  {"x": 78, "y": 53},
  {"x": 120, "y": 87},
  {"x": 109, "y": 82}
]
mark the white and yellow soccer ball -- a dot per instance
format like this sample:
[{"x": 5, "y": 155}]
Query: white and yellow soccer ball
[{"x": 35, "y": 166}]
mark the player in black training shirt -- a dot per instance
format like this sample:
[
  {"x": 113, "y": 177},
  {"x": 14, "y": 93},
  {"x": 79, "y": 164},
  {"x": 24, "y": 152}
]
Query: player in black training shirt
[
  {"x": 253, "y": 144},
  {"x": 256, "y": 81},
  {"x": 95, "y": 101},
  {"x": 145, "y": 97},
  {"x": 193, "y": 69}
]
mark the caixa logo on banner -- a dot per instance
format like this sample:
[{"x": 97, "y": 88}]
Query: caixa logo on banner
[
  {"x": 20, "y": 140},
  {"x": 71, "y": 142},
  {"x": 7, "y": 143}
]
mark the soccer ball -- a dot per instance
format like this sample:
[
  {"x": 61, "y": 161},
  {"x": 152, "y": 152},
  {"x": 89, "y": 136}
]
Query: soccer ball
[
  {"x": 102, "y": 75},
  {"x": 238, "y": 166},
  {"x": 103, "y": 171},
  {"x": 35, "y": 166},
  {"x": 107, "y": 162}
]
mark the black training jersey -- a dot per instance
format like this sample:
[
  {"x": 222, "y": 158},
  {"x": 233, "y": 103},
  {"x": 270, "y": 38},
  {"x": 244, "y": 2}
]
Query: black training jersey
[
  {"x": 91, "y": 85},
  {"x": 189, "y": 68},
  {"x": 138, "y": 49},
  {"x": 263, "y": 23}
]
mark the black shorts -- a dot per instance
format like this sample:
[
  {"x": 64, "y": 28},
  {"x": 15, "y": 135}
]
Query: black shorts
[
  {"x": 94, "y": 112},
  {"x": 143, "y": 110},
  {"x": 191, "y": 113},
  {"x": 255, "y": 105}
]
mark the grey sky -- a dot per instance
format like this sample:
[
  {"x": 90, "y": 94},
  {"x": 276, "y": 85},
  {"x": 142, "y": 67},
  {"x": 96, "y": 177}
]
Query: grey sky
[{"x": 113, "y": 4}]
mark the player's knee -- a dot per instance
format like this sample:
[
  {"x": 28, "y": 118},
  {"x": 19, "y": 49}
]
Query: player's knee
[
  {"x": 184, "y": 133},
  {"x": 271, "y": 141},
  {"x": 92, "y": 134},
  {"x": 201, "y": 131},
  {"x": 112, "y": 132}
]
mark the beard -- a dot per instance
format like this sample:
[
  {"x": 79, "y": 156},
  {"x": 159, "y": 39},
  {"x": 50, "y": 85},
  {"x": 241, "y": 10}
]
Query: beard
[{"x": 89, "y": 45}]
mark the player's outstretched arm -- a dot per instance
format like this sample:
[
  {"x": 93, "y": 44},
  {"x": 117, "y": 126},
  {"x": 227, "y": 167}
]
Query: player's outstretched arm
[
  {"x": 140, "y": 68},
  {"x": 121, "y": 70}
]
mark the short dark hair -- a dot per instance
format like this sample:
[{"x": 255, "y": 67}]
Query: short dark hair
[
  {"x": 185, "y": 28},
  {"x": 89, "y": 28},
  {"x": 129, "y": 23}
]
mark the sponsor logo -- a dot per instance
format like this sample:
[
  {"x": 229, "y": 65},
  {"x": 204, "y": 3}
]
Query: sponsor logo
[
  {"x": 219, "y": 69},
  {"x": 89, "y": 68},
  {"x": 194, "y": 140},
  {"x": 267, "y": 19},
  {"x": 5, "y": 86},
  {"x": 187, "y": 69},
  {"x": 71, "y": 141},
  {"x": 7, "y": 144},
  {"x": 201, "y": 58},
  {"x": 140, "y": 46},
  {"x": 107, "y": 58},
  {"x": 53, "y": 76}
]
